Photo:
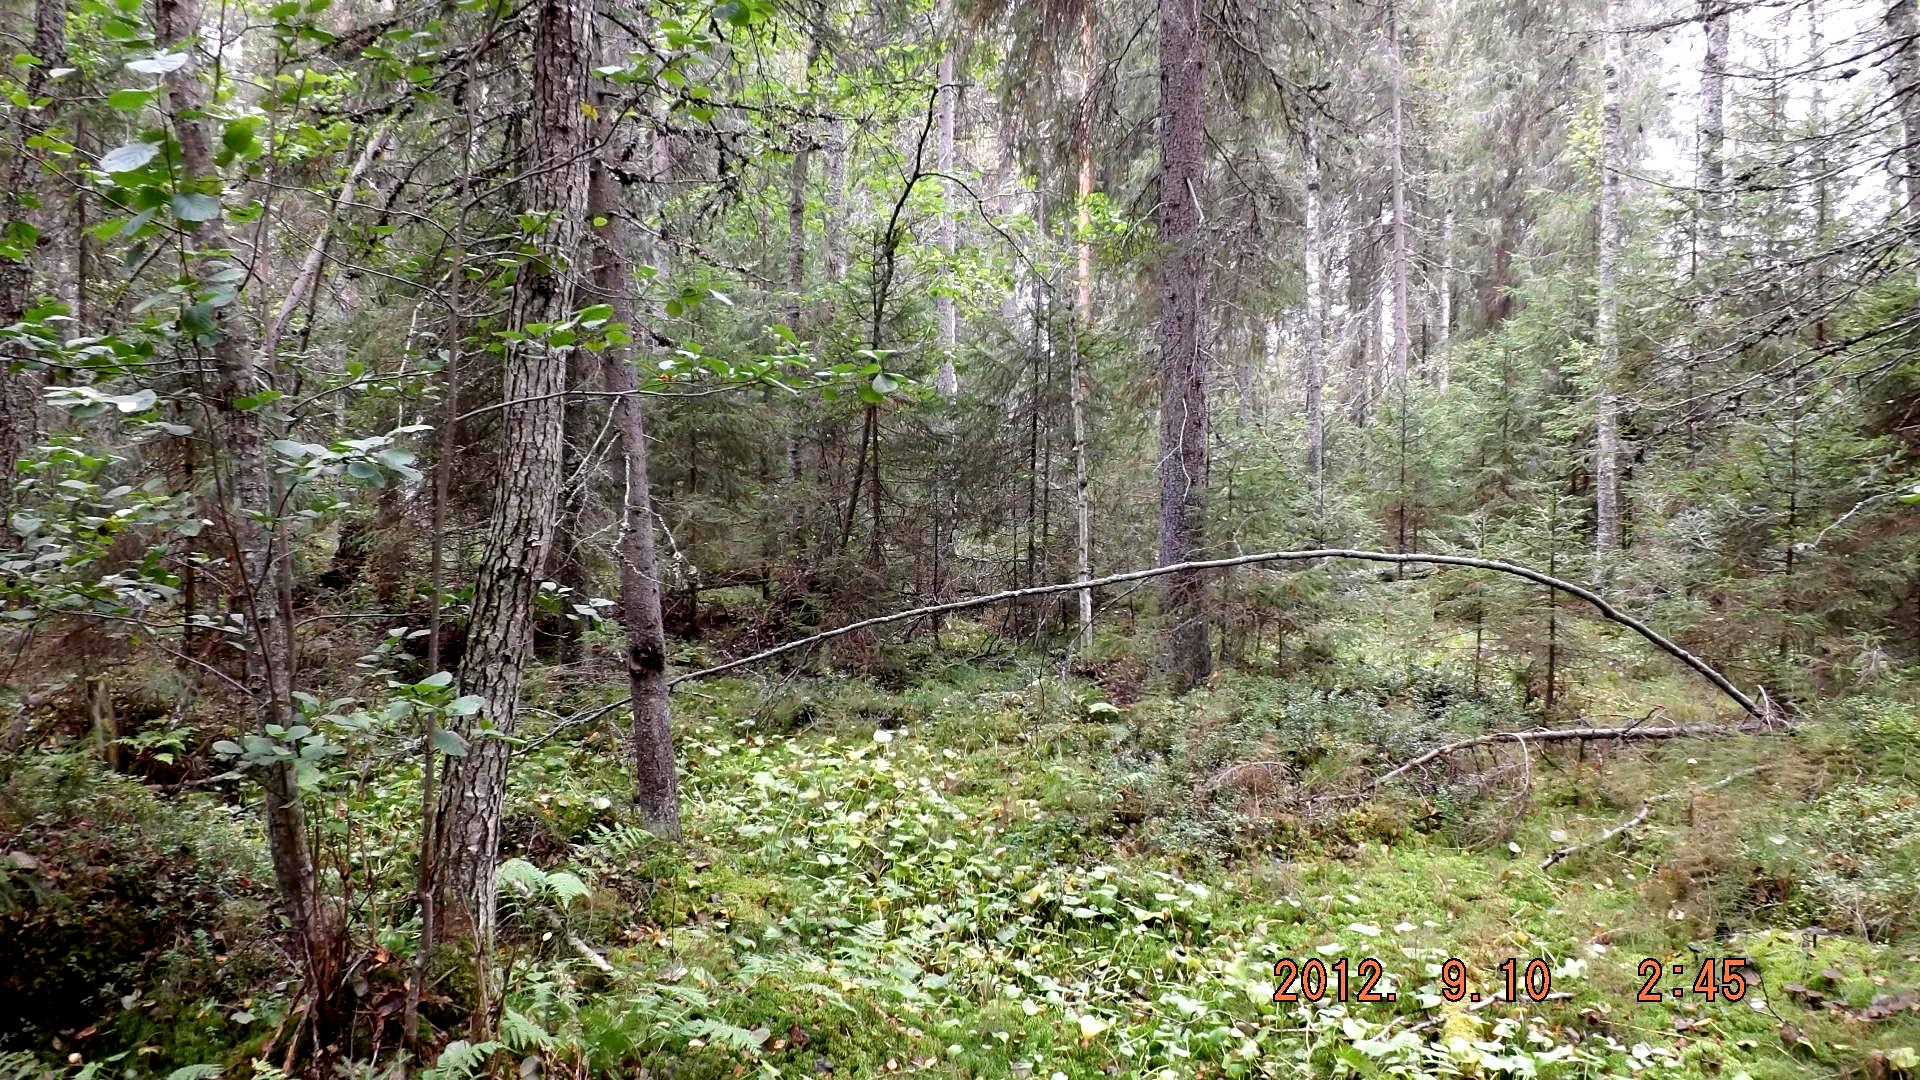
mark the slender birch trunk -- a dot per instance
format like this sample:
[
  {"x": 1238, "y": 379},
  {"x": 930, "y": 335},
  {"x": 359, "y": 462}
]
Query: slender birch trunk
[
  {"x": 1316, "y": 330},
  {"x": 1082, "y": 321}
]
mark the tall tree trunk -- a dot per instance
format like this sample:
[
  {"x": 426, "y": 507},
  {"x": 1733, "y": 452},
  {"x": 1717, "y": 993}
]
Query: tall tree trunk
[
  {"x": 1183, "y": 348},
  {"x": 240, "y": 436},
  {"x": 1713, "y": 127},
  {"x": 656, "y": 785},
  {"x": 1903, "y": 33},
  {"x": 1082, "y": 321},
  {"x": 1397, "y": 371},
  {"x": 20, "y": 420},
  {"x": 945, "y": 379},
  {"x": 1606, "y": 444},
  {"x": 1440, "y": 362},
  {"x": 1316, "y": 330},
  {"x": 520, "y": 524}
]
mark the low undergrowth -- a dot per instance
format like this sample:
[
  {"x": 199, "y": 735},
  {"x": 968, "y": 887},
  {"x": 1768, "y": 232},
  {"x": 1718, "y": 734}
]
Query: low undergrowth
[{"x": 1000, "y": 873}]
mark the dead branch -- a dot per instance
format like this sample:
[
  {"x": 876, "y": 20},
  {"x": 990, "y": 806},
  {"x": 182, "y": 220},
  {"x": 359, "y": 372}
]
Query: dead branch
[
  {"x": 1681, "y": 731},
  {"x": 1594, "y": 599},
  {"x": 1641, "y": 815}
]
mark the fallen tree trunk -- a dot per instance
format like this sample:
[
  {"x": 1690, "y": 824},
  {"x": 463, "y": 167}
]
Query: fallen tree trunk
[{"x": 1606, "y": 610}]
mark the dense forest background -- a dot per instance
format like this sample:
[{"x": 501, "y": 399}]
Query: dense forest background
[{"x": 545, "y": 536}]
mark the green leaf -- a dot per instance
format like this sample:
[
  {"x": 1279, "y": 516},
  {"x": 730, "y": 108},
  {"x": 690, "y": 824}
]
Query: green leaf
[
  {"x": 129, "y": 157},
  {"x": 467, "y": 705},
  {"x": 884, "y": 383},
  {"x": 249, "y": 402},
  {"x": 227, "y": 748},
  {"x": 449, "y": 743},
  {"x": 193, "y": 206},
  {"x": 437, "y": 680},
  {"x": 131, "y": 100}
]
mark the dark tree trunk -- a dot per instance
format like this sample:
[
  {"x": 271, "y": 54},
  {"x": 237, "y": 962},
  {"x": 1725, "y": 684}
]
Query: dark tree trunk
[
  {"x": 240, "y": 437},
  {"x": 656, "y": 786},
  {"x": 1183, "y": 347},
  {"x": 521, "y": 523}
]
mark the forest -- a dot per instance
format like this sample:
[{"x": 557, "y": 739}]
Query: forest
[{"x": 708, "y": 539}]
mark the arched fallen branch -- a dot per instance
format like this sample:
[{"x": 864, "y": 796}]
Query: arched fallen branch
[{"x": 1599, "y": 604}]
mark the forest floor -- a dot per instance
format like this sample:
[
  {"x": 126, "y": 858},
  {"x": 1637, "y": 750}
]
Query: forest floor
[{"x": 987, "y": 871}]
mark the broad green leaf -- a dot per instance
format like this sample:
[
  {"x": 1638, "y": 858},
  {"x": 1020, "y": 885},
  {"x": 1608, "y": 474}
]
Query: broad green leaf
[
  {"x": 193, "y": 206},
  {"x": 131, "y": 100},
  {"x": 129, "y": 157}
]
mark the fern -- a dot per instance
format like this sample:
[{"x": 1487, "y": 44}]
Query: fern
[
  {"x": 522, "y": 1034},
  {"x": 720, "y": 1033},
  {"x": 19, "y": 1065},
  {"x": 461, "y": 1060},
  {"x": 621, "y": 842}
]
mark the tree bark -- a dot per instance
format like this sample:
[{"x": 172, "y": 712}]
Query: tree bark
[
  {"x": 1397, "y": 372},
  {"x": 20, "y": 417},
  {"x": 1183, "y": 349},
  {"x": 1077, "y": 382},
  {"x": 946, "y": 380},
  {"x": 1713, "y": 126},
  {"x": 246, "y": 496},
  {"x": 1316, "y": 329},
  {"x": 521, "y": 522},
  {"x": 1606, "y": 448},
  {"x": 656, "y": 785},
  {"x": 1903, "y": 35}
]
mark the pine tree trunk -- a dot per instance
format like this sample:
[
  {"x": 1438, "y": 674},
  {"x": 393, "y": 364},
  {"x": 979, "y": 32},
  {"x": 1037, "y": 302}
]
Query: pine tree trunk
[
  {"x": 656, "y": 786},
  {"x": 1316, "y": 329},
  {"x": 1606, "y": 448},
  {"x": 520, "y": 526},
  {"x": 240, "y": 437},
  {"x": 1183, "y": 327}
]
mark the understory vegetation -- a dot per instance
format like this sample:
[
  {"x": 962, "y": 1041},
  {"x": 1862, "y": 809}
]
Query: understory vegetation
[{"x": 992, "y": 867}]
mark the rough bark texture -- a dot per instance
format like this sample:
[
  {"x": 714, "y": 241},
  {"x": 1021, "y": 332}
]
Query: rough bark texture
[
  {"x": 20, "y": 421},
  {"x": 246, "y": 490},
  {"x": 520, "y": 525},
  {"x": 1183, "y": 327},
  {"x": 1606, "y": 408},
  {"x": 656, "y": 786},
  {"x": 1316, "y": 330}
]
